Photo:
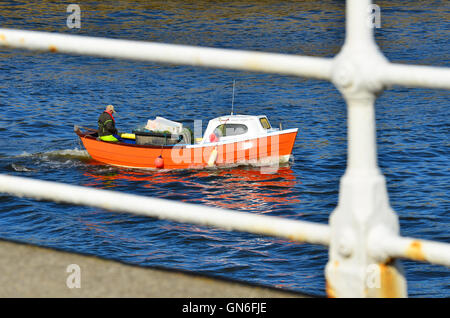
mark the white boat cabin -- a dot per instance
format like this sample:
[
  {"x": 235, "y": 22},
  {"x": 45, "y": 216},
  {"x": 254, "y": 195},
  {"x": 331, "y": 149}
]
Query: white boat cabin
[{"x": 233, "y": 127}]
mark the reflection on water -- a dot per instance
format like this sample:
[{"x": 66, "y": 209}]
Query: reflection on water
[{"x": 241, "y": 188}]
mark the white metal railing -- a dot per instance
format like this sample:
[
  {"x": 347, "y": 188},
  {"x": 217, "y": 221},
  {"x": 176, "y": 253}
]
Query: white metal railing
[
  {"x": 363, "y": 232},
  {"x": 165, "y": 209},
  {"x": 169, "y": 53}
]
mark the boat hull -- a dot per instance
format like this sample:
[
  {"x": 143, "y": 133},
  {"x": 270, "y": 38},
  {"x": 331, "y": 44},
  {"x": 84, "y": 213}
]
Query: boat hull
[{"x": 265, "y": 150}]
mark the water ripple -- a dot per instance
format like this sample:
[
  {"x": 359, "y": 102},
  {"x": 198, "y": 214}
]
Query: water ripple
[{"x": 43, "y": 95}]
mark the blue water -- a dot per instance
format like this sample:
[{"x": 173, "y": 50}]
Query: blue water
[{"x": 43, "y": 95}]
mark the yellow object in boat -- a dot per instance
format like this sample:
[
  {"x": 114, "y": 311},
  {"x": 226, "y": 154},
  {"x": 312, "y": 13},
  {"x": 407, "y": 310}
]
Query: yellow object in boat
[{"x": 128, "y": 136}]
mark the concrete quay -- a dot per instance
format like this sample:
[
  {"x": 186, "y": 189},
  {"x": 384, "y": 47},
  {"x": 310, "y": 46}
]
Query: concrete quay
[{"x": 38, "y": 272}]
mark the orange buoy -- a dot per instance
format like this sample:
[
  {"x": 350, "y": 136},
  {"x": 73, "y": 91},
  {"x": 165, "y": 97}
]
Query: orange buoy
[{"x": 159, "y": 162}]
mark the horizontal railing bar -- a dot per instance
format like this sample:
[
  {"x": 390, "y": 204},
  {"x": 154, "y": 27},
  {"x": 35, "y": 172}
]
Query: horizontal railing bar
[
  {"x": 312, "y": 67},
  {"x": 305, "y": 66},
  {"x": 289, "y": 229},
  {"x": 416, "y": 76},
  {"x": 413, "y": 249}
]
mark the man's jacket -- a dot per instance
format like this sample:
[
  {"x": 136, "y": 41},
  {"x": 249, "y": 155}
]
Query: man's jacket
[{"x": 106, "y": 125}]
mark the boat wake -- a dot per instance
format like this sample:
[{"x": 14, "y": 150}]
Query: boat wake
[
  {"x": 21, "y": 168},
  {"x": 53, "y": 160},
  {"x": 66, "y": 153}
]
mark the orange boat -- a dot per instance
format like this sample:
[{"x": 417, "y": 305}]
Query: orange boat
[{"x": 227, "y": 141}]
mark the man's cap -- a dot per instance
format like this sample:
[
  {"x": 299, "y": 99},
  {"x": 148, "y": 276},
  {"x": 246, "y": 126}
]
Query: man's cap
[{"x": 111, "y": 108}]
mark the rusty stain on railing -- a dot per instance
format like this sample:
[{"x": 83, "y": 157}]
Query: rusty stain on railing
[
  {"x": 415, "y": 251},
  {"x": 390, "y": 286}
]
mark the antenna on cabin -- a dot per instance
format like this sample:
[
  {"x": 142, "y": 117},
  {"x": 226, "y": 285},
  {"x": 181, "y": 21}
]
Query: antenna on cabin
[{"x": 232, "y": 98}]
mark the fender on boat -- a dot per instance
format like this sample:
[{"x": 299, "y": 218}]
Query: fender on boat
[{"x": 212, "y": 157}]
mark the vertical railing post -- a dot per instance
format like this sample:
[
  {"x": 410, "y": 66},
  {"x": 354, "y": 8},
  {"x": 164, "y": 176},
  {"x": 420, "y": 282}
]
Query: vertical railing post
[{"x": 363, "y": 211}]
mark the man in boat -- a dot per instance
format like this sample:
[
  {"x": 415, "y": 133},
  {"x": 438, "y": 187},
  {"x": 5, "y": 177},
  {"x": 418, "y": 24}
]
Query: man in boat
[{"x": 107, "y": 125}]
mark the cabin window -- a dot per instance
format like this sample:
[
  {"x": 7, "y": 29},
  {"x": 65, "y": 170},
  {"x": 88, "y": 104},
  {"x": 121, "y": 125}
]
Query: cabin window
[
  {"x": 264, "y": 122},
  {"x": 225, "y": 130}
]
